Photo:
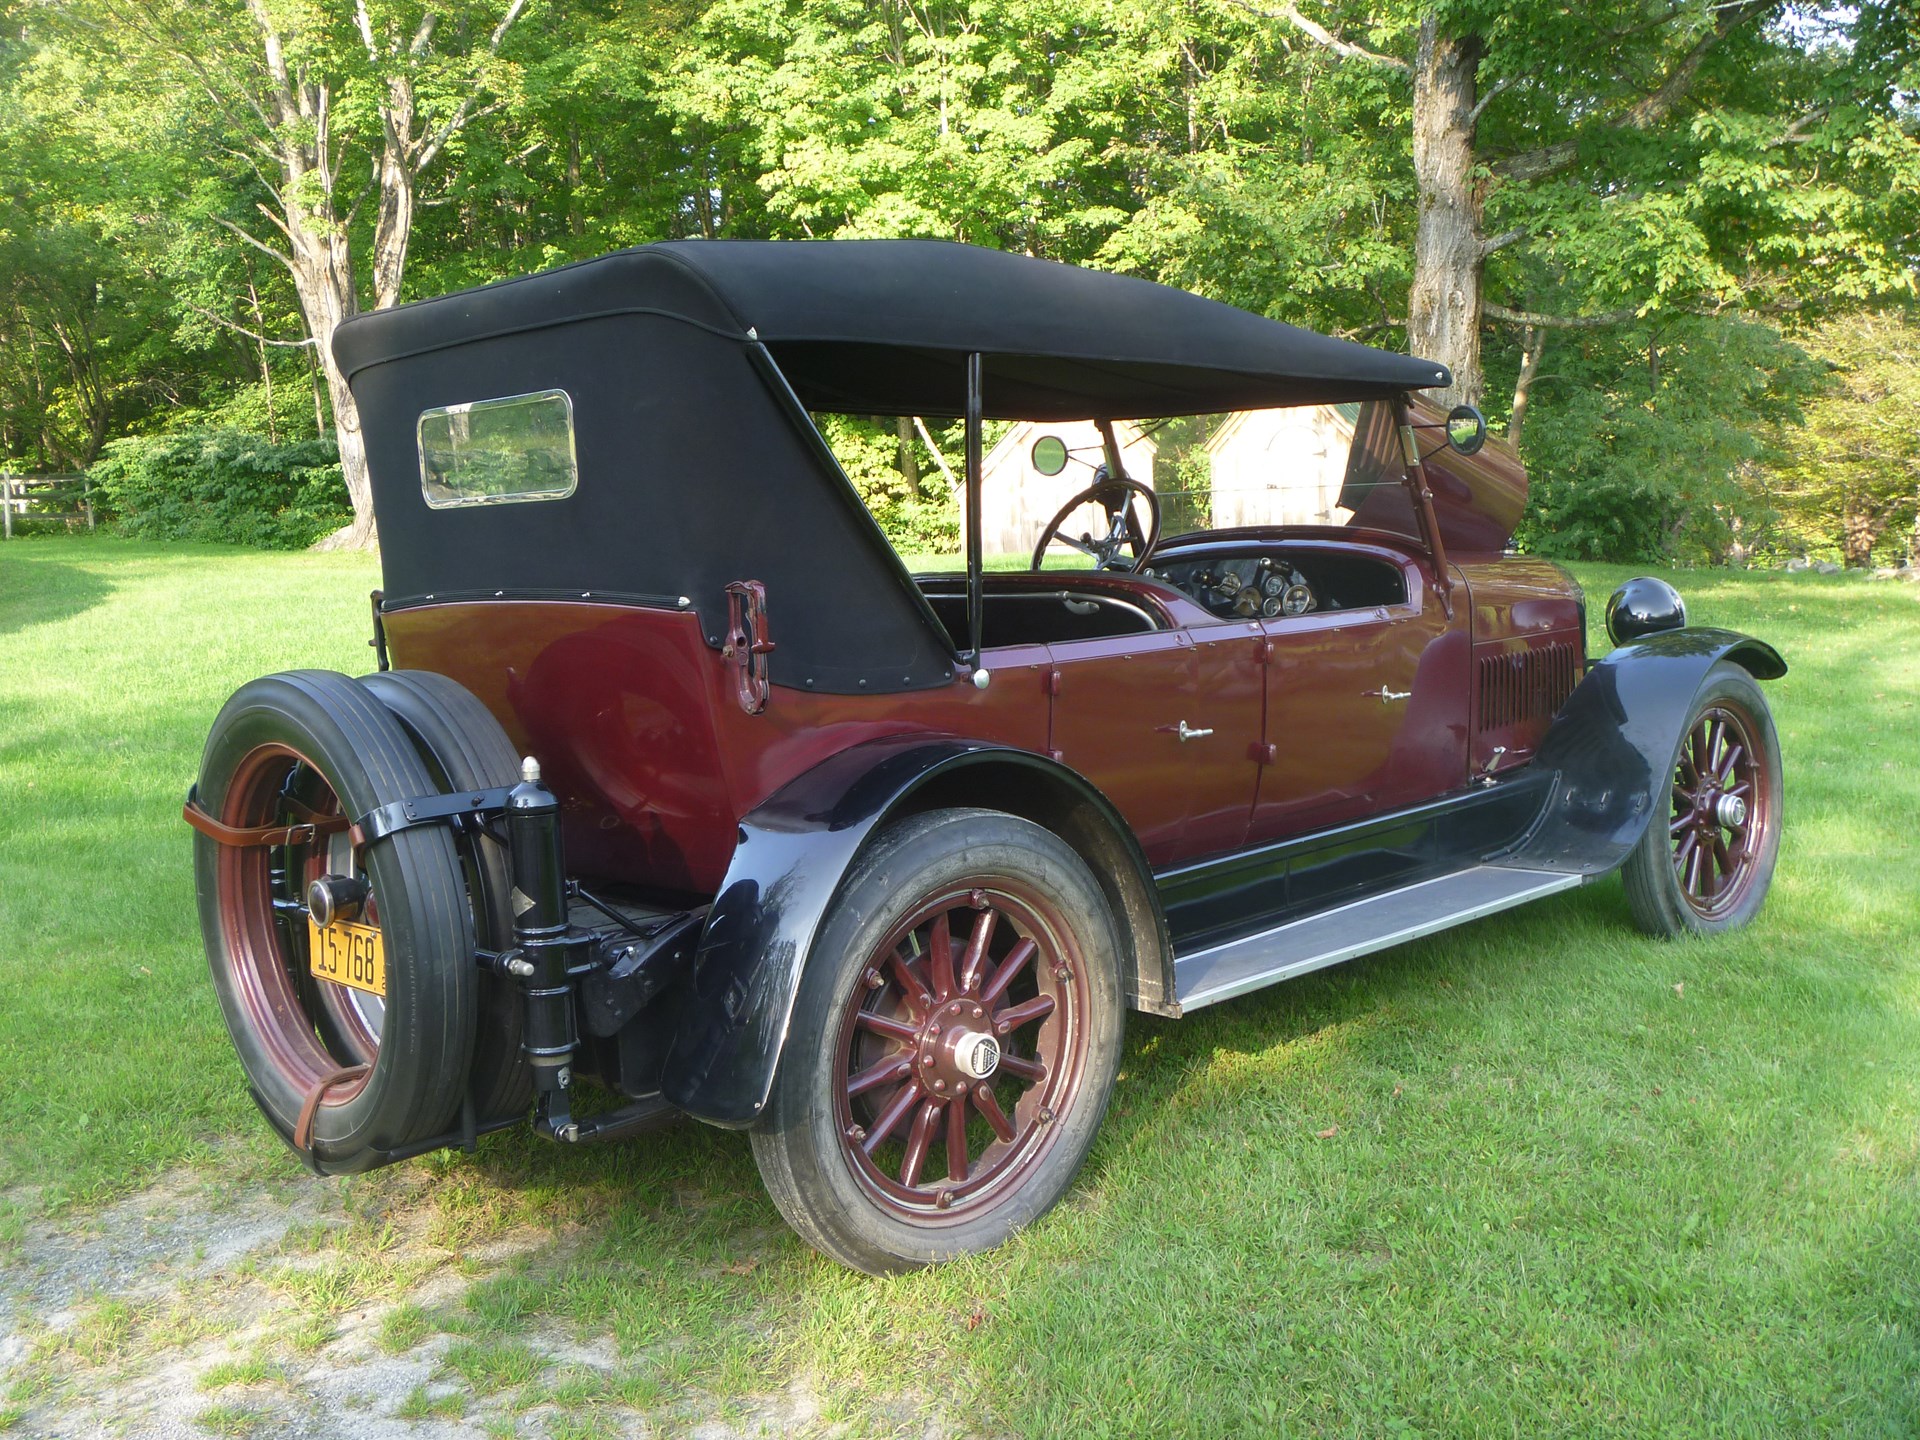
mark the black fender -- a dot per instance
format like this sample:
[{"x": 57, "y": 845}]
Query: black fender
[
  {"x": 792, "y": 855},
  {"x": 1613, "y": 742}
]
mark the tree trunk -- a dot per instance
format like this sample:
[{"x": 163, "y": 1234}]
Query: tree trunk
[
  {"x": 1443, "y": 311},
  {"x": 906, "y": 449},
  {"x": 1532, "y": 347},
  {"x": 323, "y": 276}
]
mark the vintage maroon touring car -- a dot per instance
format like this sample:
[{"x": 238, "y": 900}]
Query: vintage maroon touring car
[{"x": 673, "y": 777}]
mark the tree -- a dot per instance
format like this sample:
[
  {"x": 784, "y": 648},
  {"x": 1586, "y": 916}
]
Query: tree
[
  {"x": 1849, "y": 479},
  {"x": 334, "y": 110},
  {"x": 1596, "y": 149}
]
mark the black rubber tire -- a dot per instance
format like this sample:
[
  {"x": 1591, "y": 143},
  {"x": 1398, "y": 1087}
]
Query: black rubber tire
[
  {"x": 466, "y": 749},
  {"x": 427, "y": 1034},
  {"x": 796, "y": 1144},
  {"x": 1654, "y": 891}
]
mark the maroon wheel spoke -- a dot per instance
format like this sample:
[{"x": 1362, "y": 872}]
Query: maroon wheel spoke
[
  {"x": 1031, "y": 1071},
  {"x": 919, "y": 1141},
  {"x": 988, "y": 1105},
  {"x": 885, "y": 1025},
  {"x": 909, "y": 980},
  {"x": 1008, "y": 972},
  {"x": 891, "y": 1117},
  {"x": 940, "y": 956},
  {"x": 976, "y": 957},
  {"x": 1014, "y": 1016},
  {"x": 1721, "y": 856},
  {"x": 889, "y": 1071},
  {"x": 1696, "y": 864},
  {"x": 1743, "y": 789},
  {"x": 1729, "y": 761},
  {"x": 1683, "y": 853},
  {"x": 1680, "y": 823},
  {"x": 957, "y": 1141}
]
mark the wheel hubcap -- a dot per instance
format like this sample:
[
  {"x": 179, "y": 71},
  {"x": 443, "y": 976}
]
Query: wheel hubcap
[{"x": 958, "y": 1049}]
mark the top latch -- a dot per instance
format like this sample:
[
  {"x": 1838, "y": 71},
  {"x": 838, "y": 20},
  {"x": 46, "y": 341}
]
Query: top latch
[{"x": 747, "y": 644}]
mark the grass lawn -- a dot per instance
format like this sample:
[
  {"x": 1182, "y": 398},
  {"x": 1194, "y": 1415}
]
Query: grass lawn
[{"x": 1536, "y": 1176}]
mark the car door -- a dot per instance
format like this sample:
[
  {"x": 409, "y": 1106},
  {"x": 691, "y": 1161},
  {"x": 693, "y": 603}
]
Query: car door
[
  {"x": 1366, "y": 711},
  {"x": 1166, "y": 726}
]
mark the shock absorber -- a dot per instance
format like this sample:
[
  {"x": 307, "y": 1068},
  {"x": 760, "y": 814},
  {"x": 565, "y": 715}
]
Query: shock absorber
[{"x": 542, "y": 944}]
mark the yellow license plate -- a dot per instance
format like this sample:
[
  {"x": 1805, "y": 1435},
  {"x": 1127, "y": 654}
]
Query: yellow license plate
[{"x": 348, "y": 954}]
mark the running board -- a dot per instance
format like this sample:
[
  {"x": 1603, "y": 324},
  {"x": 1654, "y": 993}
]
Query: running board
[{"x": 1221, "y": 972}]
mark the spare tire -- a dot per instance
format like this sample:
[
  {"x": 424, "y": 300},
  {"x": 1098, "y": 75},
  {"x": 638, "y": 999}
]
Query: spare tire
[
  {"x": 346, "y": 1079},
  {"x": 466, "y": 749}
]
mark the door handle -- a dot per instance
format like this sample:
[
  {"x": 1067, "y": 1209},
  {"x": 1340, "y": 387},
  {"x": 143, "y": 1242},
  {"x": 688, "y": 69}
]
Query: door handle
[
  {"x": 1184, "y": 731},
  {"x": 1388, "y": 696}
]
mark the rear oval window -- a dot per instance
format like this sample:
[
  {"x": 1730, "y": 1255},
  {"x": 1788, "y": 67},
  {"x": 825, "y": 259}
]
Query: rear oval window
[{"x": 498, "y": 452}]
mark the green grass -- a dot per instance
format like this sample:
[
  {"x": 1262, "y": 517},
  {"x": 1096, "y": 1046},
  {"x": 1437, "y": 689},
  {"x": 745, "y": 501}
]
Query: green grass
[{"x": 1578, "y": 1182}]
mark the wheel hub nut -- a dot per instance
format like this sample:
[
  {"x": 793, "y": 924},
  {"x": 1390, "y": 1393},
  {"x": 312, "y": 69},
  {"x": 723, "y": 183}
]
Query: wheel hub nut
[{"x": 1730, "y": 811}]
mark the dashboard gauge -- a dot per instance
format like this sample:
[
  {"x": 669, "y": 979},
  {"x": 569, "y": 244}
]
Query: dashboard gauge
[
  {"x": 1271, "y": 606},
  {"x": 1273, "y": 582},
  {"x": 1298, "y": 599}
]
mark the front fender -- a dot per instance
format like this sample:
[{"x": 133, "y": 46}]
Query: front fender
[
  {"x": 1613, "y": 742},
  {"x": 788, "y": 864}
]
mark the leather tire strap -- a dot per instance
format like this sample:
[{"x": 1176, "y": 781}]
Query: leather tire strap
[
  {"x": 246, "y": 836},
  {"x": 303, "y": 1126}
]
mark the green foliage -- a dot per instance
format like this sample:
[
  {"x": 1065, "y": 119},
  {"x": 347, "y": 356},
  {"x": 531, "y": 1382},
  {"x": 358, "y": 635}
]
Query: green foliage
[
  {"x": 909, "y": 497},
  {"x": 1650, "y": 451},
  {"x": 1650, "y": 172},
  {"x": 1847, "y": 484},
  {"x": 224, "y": 485}
]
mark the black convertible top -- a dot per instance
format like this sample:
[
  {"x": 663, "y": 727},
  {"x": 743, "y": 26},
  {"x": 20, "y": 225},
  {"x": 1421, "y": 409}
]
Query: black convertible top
[
  {"x": 688, "y": 369},
  {"x": 883, "y": 327}
]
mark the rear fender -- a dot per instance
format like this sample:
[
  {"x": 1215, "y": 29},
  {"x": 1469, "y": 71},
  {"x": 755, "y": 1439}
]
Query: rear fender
[
  {"x": 791, "y": 858},
  {"x": 1613, "y": 743}
]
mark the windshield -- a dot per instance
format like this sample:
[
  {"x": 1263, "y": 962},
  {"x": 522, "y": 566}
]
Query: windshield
[{"x": 1305, "y": 465}]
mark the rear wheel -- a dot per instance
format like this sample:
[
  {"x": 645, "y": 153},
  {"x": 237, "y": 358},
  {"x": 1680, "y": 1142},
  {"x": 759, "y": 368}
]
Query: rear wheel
[
  {"x": 1707, "y": 858},
  {"x": 954, "y": 1043},
  {"x": 347, "y": 1077}
]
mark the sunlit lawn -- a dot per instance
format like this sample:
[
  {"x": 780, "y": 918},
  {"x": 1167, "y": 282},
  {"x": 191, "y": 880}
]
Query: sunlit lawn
[{"x": 1539, "y": 1175}]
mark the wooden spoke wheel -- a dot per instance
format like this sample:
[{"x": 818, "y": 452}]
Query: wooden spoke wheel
[
  {"x": 1705, "y": 863},
  {"x": 960, "y": 1040},
  {"x": 954, "y": 1043}
]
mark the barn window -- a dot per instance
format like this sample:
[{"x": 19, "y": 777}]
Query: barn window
[{"x": 497, "y": 452}]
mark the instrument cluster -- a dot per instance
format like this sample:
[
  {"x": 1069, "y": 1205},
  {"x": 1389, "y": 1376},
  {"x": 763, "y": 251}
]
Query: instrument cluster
[{"x": 1250, "y": 587}]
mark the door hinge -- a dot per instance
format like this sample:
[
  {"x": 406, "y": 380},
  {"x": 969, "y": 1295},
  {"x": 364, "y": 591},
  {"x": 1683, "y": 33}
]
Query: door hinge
[
  {"x": 1052, "y": 682},
  {"x": 1262, "y": 753},
  {"x": 747, "y": 644},
  {"x": 1263, "y": 652}
]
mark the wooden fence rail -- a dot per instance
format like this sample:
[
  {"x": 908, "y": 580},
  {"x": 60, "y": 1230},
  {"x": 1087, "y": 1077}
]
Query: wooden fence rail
[{"x": 24, "y": 495}]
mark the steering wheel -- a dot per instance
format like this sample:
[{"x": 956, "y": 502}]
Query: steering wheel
[{"x": 1124, "y": 531}]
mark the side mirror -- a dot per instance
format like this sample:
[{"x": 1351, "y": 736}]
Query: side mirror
[
  {"x": 1049, "y": 455},
  {"x": 1466, "y": 429}
]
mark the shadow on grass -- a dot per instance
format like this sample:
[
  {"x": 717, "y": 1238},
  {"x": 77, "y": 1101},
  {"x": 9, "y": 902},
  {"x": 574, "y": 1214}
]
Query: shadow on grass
[{"x": 36, "y": 591}]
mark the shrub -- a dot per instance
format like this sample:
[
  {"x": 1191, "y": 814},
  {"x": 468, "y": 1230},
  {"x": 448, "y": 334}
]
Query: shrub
[{"x": 224, "y": 485}]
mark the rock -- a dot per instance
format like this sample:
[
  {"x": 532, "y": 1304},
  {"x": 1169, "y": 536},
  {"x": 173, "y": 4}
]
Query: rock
[
  {"x": 1826, "y": 567},
  {"x": 1797, "y": 564}
]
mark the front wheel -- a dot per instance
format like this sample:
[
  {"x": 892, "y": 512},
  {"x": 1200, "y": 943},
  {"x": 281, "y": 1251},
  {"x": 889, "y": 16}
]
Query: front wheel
[
  {"x": 954, "y": 1043},
  {"x": 1707, "y": 858}
]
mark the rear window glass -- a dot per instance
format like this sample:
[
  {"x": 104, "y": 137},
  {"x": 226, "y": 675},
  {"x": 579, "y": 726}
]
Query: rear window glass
[{"x": 497, "y": 452}]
